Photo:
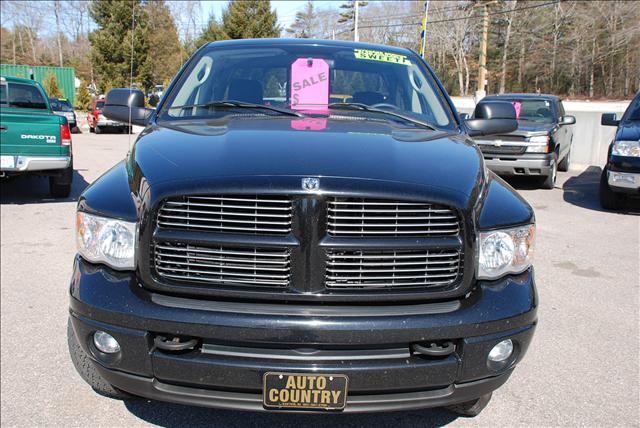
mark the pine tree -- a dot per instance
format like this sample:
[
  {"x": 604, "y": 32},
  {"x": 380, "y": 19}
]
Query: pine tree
[
  {"x": 305, "y": 24},
  {"x": 83, "y": 97},
  {"x": 250, "y": 19},
  {"x": 50, "y": 84},
  {"x": 213, "y": 32},
  {"x": 111, "y": 41},
  {"x": 163, "y": 55},
  {"x": 349, "y": 15}
]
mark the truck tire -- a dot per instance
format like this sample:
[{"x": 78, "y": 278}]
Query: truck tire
[
  {"x": 566, "y": 162},
  {"x": 87, "y": 370},
  {"x": 60, "y": 186},
  {"x": 97, "y": 129},
  {"x": 470, "y": 408},
  {"x": 609, "y": 200},
  {"x": 550, "y": 180}
]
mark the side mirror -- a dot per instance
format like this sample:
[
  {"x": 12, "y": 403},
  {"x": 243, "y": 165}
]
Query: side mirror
[
  {"x": 491, "y": 118},
  {"x": 609, "y": 119},
  {"x": 122, "y": 103},
  {"x": 567, "y": 120}
]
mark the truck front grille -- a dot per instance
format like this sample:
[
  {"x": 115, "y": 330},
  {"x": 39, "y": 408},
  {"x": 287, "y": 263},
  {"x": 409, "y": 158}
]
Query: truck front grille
[
  {"x": 370, "y": 218},
  {"x": 502, "y": 150},
  {"x": 217, "y": 265},
  {"x": 259, "y": 214},
  {"x": 390, "y": 269}
]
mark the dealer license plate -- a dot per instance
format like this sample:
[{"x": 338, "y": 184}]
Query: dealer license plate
[
  {"x": 7, "y": 162},
  {"x": 305, "y": 391}
]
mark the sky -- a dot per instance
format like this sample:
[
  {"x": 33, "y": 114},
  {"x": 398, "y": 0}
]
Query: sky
[{"x": 286, "y": 9}]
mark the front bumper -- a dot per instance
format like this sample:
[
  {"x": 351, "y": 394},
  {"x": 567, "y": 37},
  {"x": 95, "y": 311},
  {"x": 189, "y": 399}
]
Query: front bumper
[
  {"x": 239, "y": 342},
  {"x": 527, "y": 164},
  {"x": 34, "y": 163},
  {"x": 624, "y": 181}
]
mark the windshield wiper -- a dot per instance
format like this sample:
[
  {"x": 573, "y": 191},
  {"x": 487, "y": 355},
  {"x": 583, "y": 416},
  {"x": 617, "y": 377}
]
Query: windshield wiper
[
  {"x": 364, "y": 107},
  {"x": 239, "y": 104}
]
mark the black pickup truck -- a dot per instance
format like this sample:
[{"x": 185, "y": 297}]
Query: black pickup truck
[
  {"x": 621, "y": 175},
  {"x": 265, "y": 247},
  {"x": 540, "y": 147}
]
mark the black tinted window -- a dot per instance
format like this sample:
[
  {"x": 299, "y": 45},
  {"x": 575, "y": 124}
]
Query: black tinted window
[{"x": 21, "y": 95}]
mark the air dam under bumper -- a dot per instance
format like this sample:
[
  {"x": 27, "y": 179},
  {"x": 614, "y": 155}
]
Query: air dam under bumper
[
  {"x": 239, "y": 342},
  {"x": 527, "y": 164}
]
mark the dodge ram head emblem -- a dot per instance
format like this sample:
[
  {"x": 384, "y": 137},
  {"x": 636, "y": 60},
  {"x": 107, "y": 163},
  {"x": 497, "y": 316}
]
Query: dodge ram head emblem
[{"x": 310, "y": 184}]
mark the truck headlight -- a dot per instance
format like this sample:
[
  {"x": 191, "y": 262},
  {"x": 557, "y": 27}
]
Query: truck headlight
[
  {"x": 626, "y": 148},
  {"x": 106, "y": 240},
  {"x": 505, "y": 251},
  {"x": 538, "y": 144}
]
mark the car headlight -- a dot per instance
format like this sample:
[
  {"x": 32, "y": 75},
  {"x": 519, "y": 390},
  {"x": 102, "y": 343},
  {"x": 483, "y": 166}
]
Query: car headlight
[
  {"x": 106, "y": 240},
  {"x": 626, "y": 148},
  {"x": 538, "y": 144},
  {"x": 505, "y": 251}
]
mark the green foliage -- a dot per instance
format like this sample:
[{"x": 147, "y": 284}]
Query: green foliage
[
  {"x": 250, "y": 19},
  {"x": 163, "y": 56},
  {"x": 350, "y": 11},
  {"x": 305, "y": 23},
  {"x": 83, "y": 97},
  {"x": 111, "y": 41},
  {"x": 213, "y": 32},
  {"x": 50, "y": 84}
]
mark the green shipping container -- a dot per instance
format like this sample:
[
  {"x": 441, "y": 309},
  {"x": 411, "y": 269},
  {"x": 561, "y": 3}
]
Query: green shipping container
[{"x": 66, "y": 76}]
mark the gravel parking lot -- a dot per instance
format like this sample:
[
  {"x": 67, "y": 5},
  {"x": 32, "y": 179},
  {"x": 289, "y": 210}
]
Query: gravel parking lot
[{"x": 582, "y": 368}]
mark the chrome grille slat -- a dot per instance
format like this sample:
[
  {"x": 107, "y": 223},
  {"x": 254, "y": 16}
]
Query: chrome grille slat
[
  {"x": 249, "y": 214},
  {"x": 367, "y": 218},
  {"x": 392, "y": 269},
  {"x": 259, "y": 266}
]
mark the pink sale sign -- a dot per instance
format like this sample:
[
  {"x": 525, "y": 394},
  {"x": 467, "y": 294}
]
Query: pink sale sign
[{"x": 309, "y": 84}]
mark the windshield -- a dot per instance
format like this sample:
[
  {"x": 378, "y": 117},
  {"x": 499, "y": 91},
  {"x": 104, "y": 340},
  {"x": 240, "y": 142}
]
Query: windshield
[
  {"x": 308, "y": 79},
  {"x": 20, "y": 95},
  {"x": 538, "y": 110},
  {"x": 60, "y": 105},
  {"x": 633, "y": 111}
]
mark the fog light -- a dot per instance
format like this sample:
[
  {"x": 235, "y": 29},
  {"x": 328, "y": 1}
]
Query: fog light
[
  {"x": 105, "y": 342},
  {"x": 501, "y": 352}
]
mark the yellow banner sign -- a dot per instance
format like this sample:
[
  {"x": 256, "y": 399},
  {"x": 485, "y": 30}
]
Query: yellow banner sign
[{"x": 381, "y": 56}]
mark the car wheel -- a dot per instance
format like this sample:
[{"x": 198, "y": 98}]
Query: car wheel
[
  {"x": 87, "y": 370},
  {"x": 566, "y": 162},
  {"x": 91, "y": 129},
  {"x": 97, "y": 129},
  {"x": 609, "y": 200},
  {"x": 76, "y": 130},
  {"x": 550, "y": 180},
  {"x": 470, "y": 408},
  {"x": 60, "y": 186}
]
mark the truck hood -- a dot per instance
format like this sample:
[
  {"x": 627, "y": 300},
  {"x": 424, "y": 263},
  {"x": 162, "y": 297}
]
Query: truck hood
[
  {"x": 628, "y": 131},
  {"x": 320, "y": 147}
]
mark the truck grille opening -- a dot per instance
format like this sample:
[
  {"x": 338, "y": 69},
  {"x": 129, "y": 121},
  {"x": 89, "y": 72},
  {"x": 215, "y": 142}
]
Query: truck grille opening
[
  {"x": 222, "y": 266},
  {"x": 390, "y": 269},
  {"x": 369, "y": 218},
  {"x": 259, "y": 214},
  {"x": 502, "y": 150}
]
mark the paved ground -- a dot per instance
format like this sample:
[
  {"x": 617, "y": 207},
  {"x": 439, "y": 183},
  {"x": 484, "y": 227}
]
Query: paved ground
[{"x": 582, "y": 368}]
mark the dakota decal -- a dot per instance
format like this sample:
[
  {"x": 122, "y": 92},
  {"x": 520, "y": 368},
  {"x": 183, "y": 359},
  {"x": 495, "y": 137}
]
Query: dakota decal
[
  {"x": 51, "y": 139},
  {"x": 381, "y": 56}
]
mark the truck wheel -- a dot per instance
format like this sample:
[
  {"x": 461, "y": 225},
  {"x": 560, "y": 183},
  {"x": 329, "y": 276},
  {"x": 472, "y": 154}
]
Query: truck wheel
[
  {"x": 470, "y": 408},
  {"x": 87, "y": 370},
  {"x": 550, "y": 180},
  {"x": 566, "y": 162},
  {"x": 609, "y": 200},
  {"x": 60, "y": 186},
  {"x": 97, "y": 129}
]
